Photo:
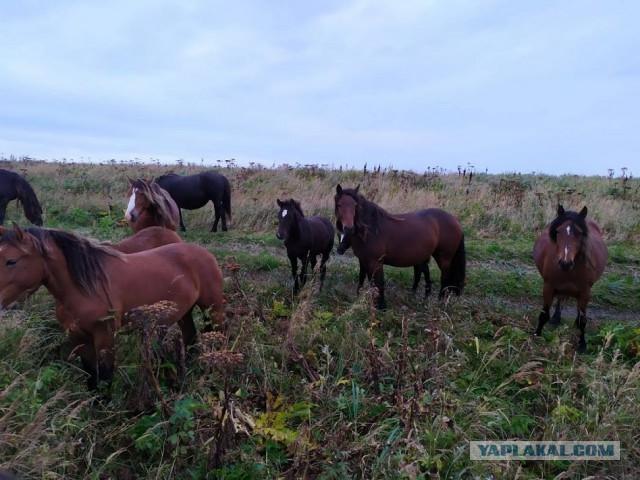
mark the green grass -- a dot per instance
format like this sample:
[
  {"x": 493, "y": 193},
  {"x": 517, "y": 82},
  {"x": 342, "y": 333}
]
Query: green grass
[{"x": 328, "y": 387}]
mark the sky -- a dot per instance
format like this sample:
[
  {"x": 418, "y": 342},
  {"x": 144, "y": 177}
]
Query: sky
[{"x": 492, "y": 86}]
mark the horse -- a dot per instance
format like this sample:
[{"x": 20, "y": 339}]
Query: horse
[
  {"x": 379, "y": 238},
  {"x": 149, "y": 205},
  {"x": 194, "y": 191},
  {"x": 94, "y": 286},
  {"x": 305, "y": 239},
  {"x": 14, "y": 186},
  {"x": 146, "y": 239},
  {"x": 570, "y": 255}
]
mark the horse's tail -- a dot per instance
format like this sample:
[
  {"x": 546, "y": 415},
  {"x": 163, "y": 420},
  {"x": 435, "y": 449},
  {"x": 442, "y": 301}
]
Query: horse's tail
[
  {"x": 226, "y": 197},
  {"x": 27, "y": 196},
  {"x": 459, "y": 267}
]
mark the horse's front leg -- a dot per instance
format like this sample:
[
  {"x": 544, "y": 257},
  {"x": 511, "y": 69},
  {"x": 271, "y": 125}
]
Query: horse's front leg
[
  {"x": 97, "y": 357},
  {"x": 377, "y": 273},
  {"x": 303, "y": 270},
  {"x": 294, "y": 272},
  {"x": 361, "y": 275},
  {"x": 547, "y": 301},
  {"x": 557, "y": 311},
  {"x": 581, "y": 320}
]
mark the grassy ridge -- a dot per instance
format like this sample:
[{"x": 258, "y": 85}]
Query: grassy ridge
[{"x": 322, "y": 385}]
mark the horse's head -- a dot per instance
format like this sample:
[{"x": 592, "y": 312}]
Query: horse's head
[
  {"x": 569, "y": 233},
  {"x": 288, "y": 216},
  {"x": 346, "y": 211},
  {"x": 21, "y": 263},
  {"x": 139, "y": 199}
]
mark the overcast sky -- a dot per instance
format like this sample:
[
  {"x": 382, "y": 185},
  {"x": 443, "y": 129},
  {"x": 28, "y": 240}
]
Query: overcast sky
[{"x": 501, "y": 86}]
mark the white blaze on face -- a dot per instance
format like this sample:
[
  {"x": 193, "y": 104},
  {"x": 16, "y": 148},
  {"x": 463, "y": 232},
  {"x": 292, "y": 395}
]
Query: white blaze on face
[
  {"x": 568, "y": 229},
  {"x": 131, "y": 205},
  {"x": 341, "y": 237},
  {"x": 566, "y": 252},
  {"x": 284, "y": 213}
]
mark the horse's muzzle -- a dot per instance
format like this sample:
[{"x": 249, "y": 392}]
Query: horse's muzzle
[
  {"x": 565, "y": 266},
  {"x": 279, "y": 236}
]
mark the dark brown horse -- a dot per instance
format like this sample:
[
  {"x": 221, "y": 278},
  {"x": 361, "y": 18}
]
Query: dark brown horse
[
  {"x": 12, "y": 187},
  {"x": 400, "y": 240},
  {"x": 150, "y": 205},
  {"x": 146, "y": 239},
  {"x": 570, "y": 255},
  {"x": 194, "y": 191},
  {"x": 305, "y": 239},
  {"x": 94, "y": 286}
]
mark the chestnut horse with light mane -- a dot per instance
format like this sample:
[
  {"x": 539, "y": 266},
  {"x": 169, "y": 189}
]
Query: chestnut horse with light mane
[
  {"x": 150, "y": 205},
  {"x": 94, "y": 286}
]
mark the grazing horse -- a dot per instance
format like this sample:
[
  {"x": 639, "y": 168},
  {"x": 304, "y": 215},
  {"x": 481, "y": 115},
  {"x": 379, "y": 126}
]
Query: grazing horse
[
  {"x": 146, "y": 239},
  {"x": 305, "y": 239},
  {"x": 570, "y": 255},
  {"x": 194, "y": 191},
  {"x": 94, "y": 286},
  {"x": 12, "y": 187},
  {"x": 150, "y": 205},
  {"x": 379, "y": 238}
]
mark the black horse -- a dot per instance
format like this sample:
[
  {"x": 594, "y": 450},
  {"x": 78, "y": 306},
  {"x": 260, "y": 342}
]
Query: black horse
[
  {"x": 12, "y": 187},
  {"x": 194, "y": 191},
  {"x": 305, "y": 239}
]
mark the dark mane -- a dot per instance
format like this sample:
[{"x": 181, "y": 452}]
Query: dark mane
[
  {"x": 573, "y": 217},
  {"x": 580, "y": 222},
  {"x": 84, "y": 258},
  {"x": 291, "y": 203},
  {"x": 368, "y": 214}
]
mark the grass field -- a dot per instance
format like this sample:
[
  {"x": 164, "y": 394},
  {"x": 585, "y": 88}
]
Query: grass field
[{"x": 323, "y": 385}]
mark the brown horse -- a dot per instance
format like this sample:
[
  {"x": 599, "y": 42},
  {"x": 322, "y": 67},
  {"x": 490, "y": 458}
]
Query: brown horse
[
  {"x": 305, "y": 239},
  {"x": 94, "y": 286},
  {"x": 404, "y": 240},
  {"x": 149, "y": 205},
  {"x": 570, "y": 255},
  {"x": 146, "y": 239}
]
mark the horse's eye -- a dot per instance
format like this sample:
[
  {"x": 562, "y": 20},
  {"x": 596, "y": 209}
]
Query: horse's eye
[{"x": 11, "y": 262}]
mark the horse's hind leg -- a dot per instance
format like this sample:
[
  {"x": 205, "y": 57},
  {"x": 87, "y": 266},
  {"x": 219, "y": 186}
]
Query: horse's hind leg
[
  {"x": 323, "y": 267},
  {"x": 182, "y": 227},
  {"x": 188, "y": 329},
  {"x": 219, "y": 214},
  {"x": 581, "y": 321}
]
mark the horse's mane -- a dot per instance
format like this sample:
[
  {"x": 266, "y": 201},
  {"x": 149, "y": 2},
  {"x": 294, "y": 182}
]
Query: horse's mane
[
  {"x": 158, "y": 199},
  {"x": 165, "y": 175},
  {"x": 27, "y": 196},
  {"x": 295, "y": 204},
  {"x": 581, "y": 222},
  {"x": 571, "y": 216},
  {"x": 84, "y": 257},
  {"x": 368, "y": 214}
]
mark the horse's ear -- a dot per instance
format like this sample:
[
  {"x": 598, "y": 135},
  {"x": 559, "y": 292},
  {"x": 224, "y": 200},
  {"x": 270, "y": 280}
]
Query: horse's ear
[
  {"x": 356, "y": 189},
  {"x": 339, "y": 189},
  {"x": 131, "y": 180},
  {"x": 18, "y": 231},
  {"x": 560, "y": 210},
  {"x": 3, "y": 230},
  {"x": 583, "y": 212},
  {"x": 279, "y": 202}
]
